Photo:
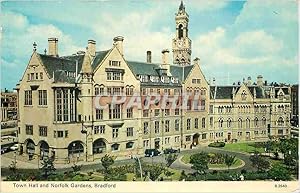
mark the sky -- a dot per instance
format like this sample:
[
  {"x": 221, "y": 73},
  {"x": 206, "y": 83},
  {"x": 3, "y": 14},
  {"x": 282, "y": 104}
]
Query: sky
[{"x": 233, "y": 39}]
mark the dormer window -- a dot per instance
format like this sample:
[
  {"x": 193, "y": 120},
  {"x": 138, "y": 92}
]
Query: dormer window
[{"x": 144, "y": 78}]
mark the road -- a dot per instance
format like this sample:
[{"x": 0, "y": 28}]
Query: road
[{"x": 157, "y": 159}]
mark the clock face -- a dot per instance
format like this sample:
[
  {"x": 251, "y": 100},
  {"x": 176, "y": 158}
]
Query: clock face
[{"x": 180, "y": 43}]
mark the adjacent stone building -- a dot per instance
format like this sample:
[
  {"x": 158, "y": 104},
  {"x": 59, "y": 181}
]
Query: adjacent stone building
[{"x": 59, "y": 95}]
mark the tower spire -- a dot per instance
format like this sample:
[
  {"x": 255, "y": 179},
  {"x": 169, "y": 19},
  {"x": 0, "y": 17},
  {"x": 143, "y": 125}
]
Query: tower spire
[
  {"x": 181, "y": 6},
  {"x": 181, "y": 43}
]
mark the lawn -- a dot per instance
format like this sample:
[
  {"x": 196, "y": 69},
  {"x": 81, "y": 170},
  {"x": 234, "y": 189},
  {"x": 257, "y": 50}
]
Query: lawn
[{"x": 242, "y": 147}]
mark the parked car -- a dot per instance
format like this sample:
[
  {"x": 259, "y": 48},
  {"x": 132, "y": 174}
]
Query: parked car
[
  {"x": 152, "y": 152},
  {"x": 4, "y": 150},
  {"x": 171, "y": 150},
  {"x": 14, "y": 147}
]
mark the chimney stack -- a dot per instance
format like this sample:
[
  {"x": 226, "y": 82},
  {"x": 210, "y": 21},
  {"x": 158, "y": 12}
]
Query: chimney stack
[
  {"x": 165, "y": 60},
  {"x": 149, "y": 57},
  {"x": 197, "y": 61},
  {"x": 92, "y": 47},
  {"x": 118, "y": 42},
  {"x": 259, "y": 80},
  {"x": 53, "y": 47}
]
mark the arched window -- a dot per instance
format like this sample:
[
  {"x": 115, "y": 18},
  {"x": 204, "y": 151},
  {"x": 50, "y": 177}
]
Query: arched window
[
  {"x": 244, "y": 95},
  {"x": 44, "y": 149},
  {"x": 264, "y": 121},
  {"x": 256, "y": 122},
  {"x": 240, "y": 123},
  {"x": 180, "y": 31},
  {"x": 75, "y": 147},
  {"x": 99, "y": 146},
  {"x": 229, "y": 123},
  {"x": 203, "y": 122},
  {"x": 220, "y": 123},
  {"x": 280, "y": 121},
  {"x": 247, "y": 123}
]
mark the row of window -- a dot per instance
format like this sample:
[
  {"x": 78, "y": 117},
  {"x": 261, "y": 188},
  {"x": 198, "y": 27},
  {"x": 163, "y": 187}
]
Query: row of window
[
  {"x": 42, "y": 97},
  {"x": 35, "y": 76},
  {"x": 196, "y": 81},
  {"x": 240, "y": 122},
  {"x": 280, "y": 122},
  {"x": 146, "y": 142},
  {"x": 117, "y": 76},
  {"x": 167, "y": 112},
  {"x": 159, "y": 91},
  {"x": 196, "y": 91},
  {"x": 113, "y": 90},
  {"x": 43, "y": 132},
  {"x": 114, "y": 63},
  {"x": 241, "y": 109},
  {"x": 157, "y": 79},
  {"x": 115, "y": 132},
  {"x": 65, "y": 105},
  {"x": 281, "y": 108},
  {"x": 176, "y": 123}
]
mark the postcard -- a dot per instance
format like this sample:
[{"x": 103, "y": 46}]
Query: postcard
[{"x": 149, "y": 96}]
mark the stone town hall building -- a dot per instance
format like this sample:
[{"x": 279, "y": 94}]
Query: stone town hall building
[{"x": 57, "y": 114}]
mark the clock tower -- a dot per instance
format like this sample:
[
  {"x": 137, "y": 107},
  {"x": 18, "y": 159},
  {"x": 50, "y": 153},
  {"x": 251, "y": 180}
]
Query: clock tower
[{"x": 181, "y": 44}]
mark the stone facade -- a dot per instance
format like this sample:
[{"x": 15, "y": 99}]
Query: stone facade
[{"x": 59, "y": 99}]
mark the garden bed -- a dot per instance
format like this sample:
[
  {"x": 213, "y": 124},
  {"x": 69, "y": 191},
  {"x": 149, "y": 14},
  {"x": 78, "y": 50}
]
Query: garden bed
[{"x": 238, "y": 163}]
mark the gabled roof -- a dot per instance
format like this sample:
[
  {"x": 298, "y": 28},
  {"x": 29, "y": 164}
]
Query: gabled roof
[
  {"x": 52, "y": 64},
  {"x": 260, "y": 92},
  {"x": 225, "y": 92},
  {"x": 181, "y": 72},
  {"x": 139, "y": 68},
  {"x": 60, "y": 66},
  {"x": 98, "y": 58}
]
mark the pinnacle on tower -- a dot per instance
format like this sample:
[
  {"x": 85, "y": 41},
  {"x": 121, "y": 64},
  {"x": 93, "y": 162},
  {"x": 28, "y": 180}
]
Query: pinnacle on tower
[{"x": 181, "y": 6}]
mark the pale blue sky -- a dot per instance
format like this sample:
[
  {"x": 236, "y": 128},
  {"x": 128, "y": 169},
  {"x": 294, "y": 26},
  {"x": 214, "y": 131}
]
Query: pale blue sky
[{"x": 234, "y": 38}]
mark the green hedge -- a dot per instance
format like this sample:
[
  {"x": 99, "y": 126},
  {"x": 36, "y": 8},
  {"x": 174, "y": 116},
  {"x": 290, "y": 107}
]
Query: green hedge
[{"x": 217, "y": 144}]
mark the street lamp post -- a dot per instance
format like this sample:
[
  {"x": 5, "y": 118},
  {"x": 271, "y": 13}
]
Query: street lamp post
[
  {"x": 86, "y": 136},
  {"x": 140, "y": 165}
]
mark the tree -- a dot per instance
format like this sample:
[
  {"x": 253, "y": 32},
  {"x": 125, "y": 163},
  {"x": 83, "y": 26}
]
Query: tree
[
  {"x": 170, "y": 158},
  {"x": 115, "y": 174},
  {"x": 279, "y": 172},
  {"x": 259, "y": 162},
  {"x": 106, "y": 162},
  {"x": 199, "y": 162},
  {"x": 47, "y": 168},
  {"x": 229, "y": 160},
  {"x": 153, "y": 171}
]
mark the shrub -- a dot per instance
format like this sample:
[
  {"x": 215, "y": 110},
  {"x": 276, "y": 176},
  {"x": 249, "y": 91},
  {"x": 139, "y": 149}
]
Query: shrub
[
  {"x": 216, "y": 144},
  {"x": 279, "y": 172}
]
